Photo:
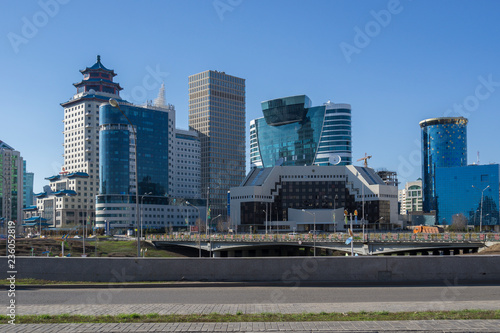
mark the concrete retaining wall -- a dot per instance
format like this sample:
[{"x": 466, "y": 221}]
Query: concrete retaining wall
[{"x": 426, "y": 269}]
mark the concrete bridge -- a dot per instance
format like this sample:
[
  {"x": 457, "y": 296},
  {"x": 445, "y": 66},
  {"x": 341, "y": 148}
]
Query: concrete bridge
[{"x": 251, "y": 245}]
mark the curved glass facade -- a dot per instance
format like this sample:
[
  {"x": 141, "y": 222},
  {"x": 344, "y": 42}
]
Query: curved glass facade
[
  {"x": 116, "y": 150},
  {"x": 444, "y": 144},
  {"x": 293, "y": 133}
]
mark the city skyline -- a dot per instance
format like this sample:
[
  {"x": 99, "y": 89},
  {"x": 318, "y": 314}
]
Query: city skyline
[{"x": 396, "y": 63}]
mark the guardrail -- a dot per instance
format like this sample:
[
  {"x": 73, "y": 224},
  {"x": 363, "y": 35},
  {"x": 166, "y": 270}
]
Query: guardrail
[{"x": 334, "y": 238}]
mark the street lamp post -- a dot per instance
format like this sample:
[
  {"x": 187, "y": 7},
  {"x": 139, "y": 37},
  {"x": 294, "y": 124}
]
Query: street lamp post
[
  {"x": 481, "y": 213},
  {"x": 380, "y": 219},
  {"x": 314, "y": 232},
  {"x": 266, "y": 219},
  {"x": 215, "y": 218},
  {"x": 115, "y": 104},
  {"x": 199, "y": 236},
  {"x": 142, "y": 207},
  {"x": 208, "y": 211}
]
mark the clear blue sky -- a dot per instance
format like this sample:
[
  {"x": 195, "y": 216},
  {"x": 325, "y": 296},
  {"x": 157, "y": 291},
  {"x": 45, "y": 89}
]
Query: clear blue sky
[{"x": 417, "y": 61}]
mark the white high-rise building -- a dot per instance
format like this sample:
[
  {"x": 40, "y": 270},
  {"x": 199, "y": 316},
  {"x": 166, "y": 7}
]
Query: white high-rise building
[
  {"x": 187, "y": 165},
  {"x": 411, "y": 197},
  {"x": 81, "y": 133}
]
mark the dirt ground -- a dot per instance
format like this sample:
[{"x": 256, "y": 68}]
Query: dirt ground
[{"x": 495, "y": 249}]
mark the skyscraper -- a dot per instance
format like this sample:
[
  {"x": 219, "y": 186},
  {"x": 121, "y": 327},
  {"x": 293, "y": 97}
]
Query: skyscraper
[
  {"x": 217, "y": 113},
  {"x": 81, "y": 131},
  {"x": 11, "y": 183},
  {"x": 444, "y": 144},
  {"x": 292, "y": 132},
  {"x": 470, "y": 191},
  {"x": 168, "y": 168},
  {"x": 28, "y": 180}
]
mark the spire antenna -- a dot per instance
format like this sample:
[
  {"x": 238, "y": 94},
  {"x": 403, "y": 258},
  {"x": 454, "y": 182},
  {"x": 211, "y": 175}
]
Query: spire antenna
[{"x": 160, "y": 100}]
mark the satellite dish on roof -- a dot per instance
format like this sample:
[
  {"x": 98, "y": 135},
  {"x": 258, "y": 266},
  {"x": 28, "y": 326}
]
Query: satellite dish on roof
[
  {"x": 279, "y": 162},
  {"x": 92, "y": 91},
  {"x": 334, "y": 160}
]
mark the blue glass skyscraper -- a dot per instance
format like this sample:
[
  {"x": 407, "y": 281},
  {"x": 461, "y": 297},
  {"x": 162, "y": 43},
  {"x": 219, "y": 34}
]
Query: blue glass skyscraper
[
  {"x": 292, "y": 132},
  {"x": 117, "y": 190},
  {"x": 444, "y": 144},
  {"x": 471, "y": 191},
  {"x": 116, "y": 145}
]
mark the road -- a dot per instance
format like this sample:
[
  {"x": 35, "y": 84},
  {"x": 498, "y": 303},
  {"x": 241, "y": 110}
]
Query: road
[{"x": 117, "y": 295}]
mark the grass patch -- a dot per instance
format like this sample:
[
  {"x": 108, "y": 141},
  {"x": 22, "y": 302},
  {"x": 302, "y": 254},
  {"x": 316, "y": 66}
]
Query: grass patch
[
  {"x": 36, "y": 282},
  {"x": 260, "y": 317},
  {"x": 106, "y": 247}
]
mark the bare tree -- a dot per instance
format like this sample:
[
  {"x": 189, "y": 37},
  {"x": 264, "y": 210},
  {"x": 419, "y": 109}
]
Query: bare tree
[{"x": 458, "y": 222}]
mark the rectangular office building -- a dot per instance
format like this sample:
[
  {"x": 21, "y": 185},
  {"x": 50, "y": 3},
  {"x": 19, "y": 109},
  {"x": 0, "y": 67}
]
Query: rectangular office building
[{"x": 217, "y": 113}]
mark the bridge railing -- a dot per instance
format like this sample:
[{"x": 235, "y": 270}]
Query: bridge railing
[{"x": 333, "y": 237}]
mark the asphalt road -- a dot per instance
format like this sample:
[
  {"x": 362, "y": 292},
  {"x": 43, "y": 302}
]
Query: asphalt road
[{"x": 253, "y": 295}]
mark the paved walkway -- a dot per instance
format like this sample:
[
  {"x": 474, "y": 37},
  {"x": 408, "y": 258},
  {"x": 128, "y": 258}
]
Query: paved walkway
[
  {"x": 165, "y": 308},
  {"x": 452, "y": 326}
]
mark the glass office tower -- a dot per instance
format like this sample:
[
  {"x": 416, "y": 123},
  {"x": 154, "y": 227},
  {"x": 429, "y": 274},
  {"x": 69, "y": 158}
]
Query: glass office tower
[
  {"x": 444, "y": 144},
  {"x": 217, "y": 113},
  {"x": 459, "y": 191},
  {"x": 117, "y": 146},
  {"x": 292, "y": 132},
  {"x": 117, "y": 159}
]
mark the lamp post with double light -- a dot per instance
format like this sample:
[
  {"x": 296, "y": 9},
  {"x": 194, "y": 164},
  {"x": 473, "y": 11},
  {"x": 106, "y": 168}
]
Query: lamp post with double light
[
  {"x": 115, "y": 104},
  {"x": 314, "y": 232}
]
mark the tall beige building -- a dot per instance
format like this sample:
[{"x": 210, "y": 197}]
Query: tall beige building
[
  {"x": 81, "y": 146},
  {"x": 217, "y": 113}
]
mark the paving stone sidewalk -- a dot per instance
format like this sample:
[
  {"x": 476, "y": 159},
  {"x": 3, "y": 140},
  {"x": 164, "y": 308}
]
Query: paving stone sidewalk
[
  {"x": 420, "y": 326},
  {"x": 165, "y": 308}
]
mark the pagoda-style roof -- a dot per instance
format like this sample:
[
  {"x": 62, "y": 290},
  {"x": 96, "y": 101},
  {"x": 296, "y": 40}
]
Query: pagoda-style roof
[
  {"x": 97, "y": 66},
  {"x": 3, "y": 145},
  {"x": 40, "y": 195},
  {"x": 78, "y": 174},
  {"x": 98, "y": 81},
  {"x": 65, "y": 192}
]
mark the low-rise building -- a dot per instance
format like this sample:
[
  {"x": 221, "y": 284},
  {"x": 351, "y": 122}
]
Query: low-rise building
[{"x": 288, "y": 197}]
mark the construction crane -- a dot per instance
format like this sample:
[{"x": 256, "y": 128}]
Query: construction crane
[{"x": 366, "y": 158}]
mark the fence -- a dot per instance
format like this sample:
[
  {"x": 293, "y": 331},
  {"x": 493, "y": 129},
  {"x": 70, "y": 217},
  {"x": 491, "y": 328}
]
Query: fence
[{"x": 334, "y": 238}]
